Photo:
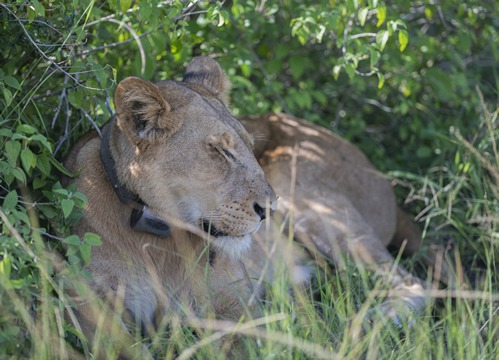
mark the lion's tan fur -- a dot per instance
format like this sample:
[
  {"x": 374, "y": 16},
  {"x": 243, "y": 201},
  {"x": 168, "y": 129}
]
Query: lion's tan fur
[{"x": 178, "y": 148}]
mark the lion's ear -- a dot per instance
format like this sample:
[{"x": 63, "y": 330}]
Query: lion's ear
[
  {"x": 205, "y": 71},
  {"x": 142, "y": 112}
]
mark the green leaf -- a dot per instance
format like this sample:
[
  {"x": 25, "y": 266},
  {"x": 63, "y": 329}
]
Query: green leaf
[
  {"x": 381, "y": 80},
  {"x": 428, "y": 13},
  {"x": 43, "y": 164},
  {"x": 60, "y": 191},
  {"x": 146, "y": 10},
  {"x": 246, "y": 69},
  {"x": 38, "y": 183},
  {"x": 72, "y": 240},
  {"x": 28, "y": 159},
  {"x": 43, "y": 140},
  {"x": 61, "y": 168},
  {"x": 31, "y": 13},
  {"x": 10, "y": 200},
  {"x": 76, "y": 98},
  {"x": 221, "y": 20},
  {"x": 350, "y": 69},
  {"x": 382, "y": 39},
  {"x": 403, "y": 39},
  {"x": 6, "y": 171},
  {"x": 85, "y": 250},
  {"x": 7, "y": 94},
  {"x": 297, "y": 66},
  {"x": 79, "y": 196},
  {"x": 374, "y": 56},
  {"x": 27, "y": 129},
  {"x": 5, "y": 267},
  {"x": 176, "y": 46},
  {"x": 92, "y": 239},
  {"x": 125, "y": 5},
  {"x": 39, "y": 9},
  {"x": 362, "y": 15},
  {"x": 67, "y": 207},
  {"x": 12, "y": 149},
  {"x": 6, "y": 132},
  {"x": 336, "y": 71},
  {"x": 12, "y": 82},
  {"x": 19, "y": 136},
  {"x": 381, "y": 15},
  {"x": 21, "y": 215},
  {"x": 19, "y": 175}
]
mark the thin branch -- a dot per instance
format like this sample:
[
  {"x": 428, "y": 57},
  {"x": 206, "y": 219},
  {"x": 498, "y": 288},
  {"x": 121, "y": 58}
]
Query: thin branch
[
  {"x": 112, "y": 45},
  {"x": 89, "y": 118},
  {"x": 137, "y": 40},
  {"x": 441, "y": 14},
  {"x": 367, "y": 74},
  {"x": 361, "y": 35},
  {"x": 63, "y": 96},
  {"x": 372, "y": 102},
  {"x": 65, "y": 137},
  {"x": 345, "y": 34}
]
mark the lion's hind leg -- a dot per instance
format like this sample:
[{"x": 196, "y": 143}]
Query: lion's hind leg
[{"x": 336, "y": 230}]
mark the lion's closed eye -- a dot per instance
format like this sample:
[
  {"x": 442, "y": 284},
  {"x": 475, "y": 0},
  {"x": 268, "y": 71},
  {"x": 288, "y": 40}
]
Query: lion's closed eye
[
  {"x": 223, "y": 145},
  {"x": 228, "y": 154}
]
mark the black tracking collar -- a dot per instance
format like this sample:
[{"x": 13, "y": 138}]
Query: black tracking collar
[{"x": 141, "y": 218}]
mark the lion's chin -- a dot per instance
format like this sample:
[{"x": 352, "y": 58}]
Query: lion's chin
[{"x": 233, "y": 246}]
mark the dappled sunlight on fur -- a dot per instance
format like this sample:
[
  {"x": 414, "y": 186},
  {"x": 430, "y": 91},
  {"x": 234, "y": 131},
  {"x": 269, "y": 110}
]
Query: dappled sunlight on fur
[{"x": 176, "y": 151}]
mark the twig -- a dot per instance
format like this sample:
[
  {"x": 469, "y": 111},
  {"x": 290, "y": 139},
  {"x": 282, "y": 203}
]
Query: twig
[
  {"x": 63, "y": 96},
  {"x": 65, "y": 137},
  {"x": 345, "y": 34},
  {"x": 112, "y": 45},
  {"x": 441, "y": 14},
  {"x": 372, "y": 102},
  {"x": 89, "y": 118},
  {"x": 137, "y": 40},
  {"x": 361, "y": 35}
]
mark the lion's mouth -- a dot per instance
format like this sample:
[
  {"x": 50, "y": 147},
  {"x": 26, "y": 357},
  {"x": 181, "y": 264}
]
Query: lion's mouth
[{"x": 212, "y": 230}]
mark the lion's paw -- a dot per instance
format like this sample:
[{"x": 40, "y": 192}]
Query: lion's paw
[{"x": 401, "y": 312}]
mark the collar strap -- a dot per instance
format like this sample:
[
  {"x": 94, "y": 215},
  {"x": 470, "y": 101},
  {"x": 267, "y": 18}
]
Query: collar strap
[{"x": 141, "y": 218}]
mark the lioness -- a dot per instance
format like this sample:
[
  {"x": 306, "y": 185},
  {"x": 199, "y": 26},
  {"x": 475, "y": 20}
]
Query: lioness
[{"x": 178, "y": 188}]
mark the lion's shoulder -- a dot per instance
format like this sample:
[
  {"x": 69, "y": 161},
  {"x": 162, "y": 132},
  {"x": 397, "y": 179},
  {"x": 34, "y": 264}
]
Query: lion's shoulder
[{"x": 71, "y": 162}]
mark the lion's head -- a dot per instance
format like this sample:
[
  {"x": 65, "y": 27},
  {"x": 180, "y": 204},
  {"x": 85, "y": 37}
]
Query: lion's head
[{"x": 177, "y": 146}]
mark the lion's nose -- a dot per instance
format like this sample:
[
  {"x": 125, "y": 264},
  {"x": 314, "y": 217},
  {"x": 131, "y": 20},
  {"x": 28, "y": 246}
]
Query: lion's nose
[{"x": 260, "y": 211}]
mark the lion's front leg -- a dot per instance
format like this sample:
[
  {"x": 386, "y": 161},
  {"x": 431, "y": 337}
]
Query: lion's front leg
[{"x": 101, "y": 317}]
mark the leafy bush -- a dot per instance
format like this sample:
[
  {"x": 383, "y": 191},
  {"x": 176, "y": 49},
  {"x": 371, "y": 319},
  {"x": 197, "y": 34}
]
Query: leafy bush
[{"x": 393, "y": 78}]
